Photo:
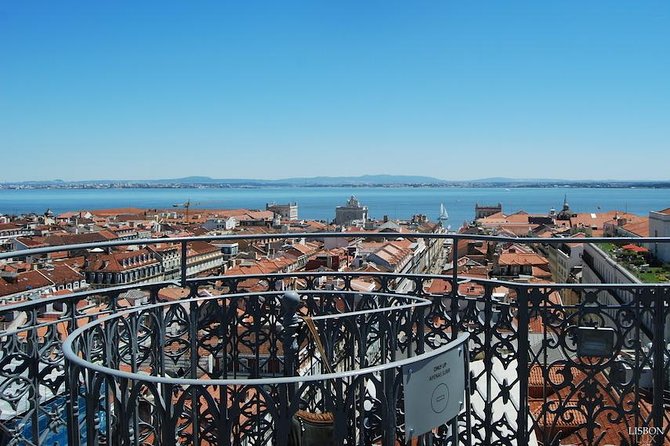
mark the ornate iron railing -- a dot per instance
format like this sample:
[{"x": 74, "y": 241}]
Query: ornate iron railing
[{"x": 591, "y": 372}]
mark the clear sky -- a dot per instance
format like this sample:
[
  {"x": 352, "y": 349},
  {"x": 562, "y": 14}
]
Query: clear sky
[{"x": 249, "y": 89}]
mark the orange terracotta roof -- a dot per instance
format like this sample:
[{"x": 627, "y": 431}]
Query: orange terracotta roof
[
  {"x": 62, "y": 274},
  {"x": 32, "y": 242},
  {"x": 440, "y": 286},
  {"x": 522, "y": 258},
  {"x": 119, "y": 211},
  {"x": 114, "y": 262},
  {"x": 540, "y": 273},
  {"x": 9, "y": 226},
  {"x": 640, "y": 228},
  {"x": 201, "y": 247},
  {"x": 26, "y": 281}
]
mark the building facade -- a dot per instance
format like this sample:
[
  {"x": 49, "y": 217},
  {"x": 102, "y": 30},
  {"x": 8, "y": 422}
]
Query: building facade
[
  {"x": 484, "y": 210},
  {"x": 119, "y": 268},
  {"x": 287, "y": 211},
  {"x": 352, "y": 211},
  {"x": 659, "y": 226}
]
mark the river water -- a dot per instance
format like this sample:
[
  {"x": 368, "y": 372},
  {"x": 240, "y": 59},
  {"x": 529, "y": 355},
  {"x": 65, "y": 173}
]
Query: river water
[{"x": 320, "y": 202}]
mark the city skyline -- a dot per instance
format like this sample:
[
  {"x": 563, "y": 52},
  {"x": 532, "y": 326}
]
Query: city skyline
[{"x": 453, "y": 91}]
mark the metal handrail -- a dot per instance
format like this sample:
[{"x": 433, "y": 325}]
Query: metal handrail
[
  {"x": 73, "y": 357},
  {"x": 316, "y": 235},
  {"x": 22, "y": 306}
]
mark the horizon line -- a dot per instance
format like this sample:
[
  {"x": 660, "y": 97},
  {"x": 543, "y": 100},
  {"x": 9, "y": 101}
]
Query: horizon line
[{"x": 199, "y": 179}]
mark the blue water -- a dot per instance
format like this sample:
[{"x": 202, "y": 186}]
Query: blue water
[{"x": 320, "y": 202}]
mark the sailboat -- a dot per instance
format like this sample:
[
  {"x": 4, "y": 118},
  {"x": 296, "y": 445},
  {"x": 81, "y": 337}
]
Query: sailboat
[
  {"x": 443, "y": 213},
  {"x": 444, "y": 216}
]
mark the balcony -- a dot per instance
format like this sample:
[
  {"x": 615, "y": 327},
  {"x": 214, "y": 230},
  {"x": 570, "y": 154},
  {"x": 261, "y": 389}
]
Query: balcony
[{"x": 241, "y": 360}]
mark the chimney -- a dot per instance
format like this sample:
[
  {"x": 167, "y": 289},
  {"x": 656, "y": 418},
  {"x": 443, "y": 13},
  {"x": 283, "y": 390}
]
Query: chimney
[{"x": 496, "y": 260}]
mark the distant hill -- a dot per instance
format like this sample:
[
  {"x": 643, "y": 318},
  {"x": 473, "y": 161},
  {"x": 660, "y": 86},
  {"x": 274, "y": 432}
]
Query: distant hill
[
  {"x": 524, "y": 180},
  {"x": 326, "y": 181},
  {"x": 310, "y": 181},
  {"x": 364, "y": 179},
  {"x": 205, "y": 180}
]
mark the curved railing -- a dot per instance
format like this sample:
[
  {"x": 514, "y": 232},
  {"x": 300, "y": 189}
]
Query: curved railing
[
  {"x": 130, "y": 364},
  {"x": 537, "y": 375}
]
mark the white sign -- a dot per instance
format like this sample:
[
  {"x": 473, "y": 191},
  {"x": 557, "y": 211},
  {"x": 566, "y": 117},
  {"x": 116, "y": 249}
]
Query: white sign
[{"x": 434, "y": 391}]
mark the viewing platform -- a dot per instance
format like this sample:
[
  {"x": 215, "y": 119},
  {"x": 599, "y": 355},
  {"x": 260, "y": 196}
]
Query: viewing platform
[{"x": 326, "y": 355}]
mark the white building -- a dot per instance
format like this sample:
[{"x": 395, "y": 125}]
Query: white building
[
  {"x": 10, "y": 231},
  {"x": 220, "y": 224},
  {"x": 659, "y": 226},
  {"x": 287, "y": 211}
]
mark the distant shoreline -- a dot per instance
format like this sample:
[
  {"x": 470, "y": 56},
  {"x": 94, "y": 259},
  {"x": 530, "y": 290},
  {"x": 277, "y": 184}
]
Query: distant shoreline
[
  {"x": 454, "y": 185},
  {"x": 319, "y": 203}
]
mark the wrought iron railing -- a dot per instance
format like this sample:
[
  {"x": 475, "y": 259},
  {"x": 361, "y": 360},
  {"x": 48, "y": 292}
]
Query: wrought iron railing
[{"x": 541, "y": 371}]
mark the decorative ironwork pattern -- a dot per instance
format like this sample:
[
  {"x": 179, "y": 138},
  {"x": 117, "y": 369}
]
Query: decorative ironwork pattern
[
  {"x": 363, "y": 400},
  {"x": 530, "y": 381}
]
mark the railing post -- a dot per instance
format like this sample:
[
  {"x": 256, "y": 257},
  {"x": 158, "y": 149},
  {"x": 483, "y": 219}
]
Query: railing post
[
  {"x": 454, "y": 289},
  {"x": 71, "y": 382},
  {"x": 522, "y": 365},
  {"x": 454, "y": 322},
  {"x": 34, "y": 376},
  {"x": 658, "y": 344},
  {"x": 184, "y": 249},
  {"x": 72, "y": 403},
  {"x": 194, "y": 314},
  {"x": 290, "y": 323},
  {"x": 489, "y": 353},
  {"x": 468, "y": 383}
]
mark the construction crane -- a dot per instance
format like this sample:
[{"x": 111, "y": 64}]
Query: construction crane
[{"x": 186, "y": 205}]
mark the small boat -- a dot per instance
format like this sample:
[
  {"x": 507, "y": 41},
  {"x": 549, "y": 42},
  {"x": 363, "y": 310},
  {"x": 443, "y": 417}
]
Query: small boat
[{"x": 444, "y": 216}]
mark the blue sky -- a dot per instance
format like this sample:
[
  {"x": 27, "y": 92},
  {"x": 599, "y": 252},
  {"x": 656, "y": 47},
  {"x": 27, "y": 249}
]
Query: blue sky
[{"x": 455, "y": 90}]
